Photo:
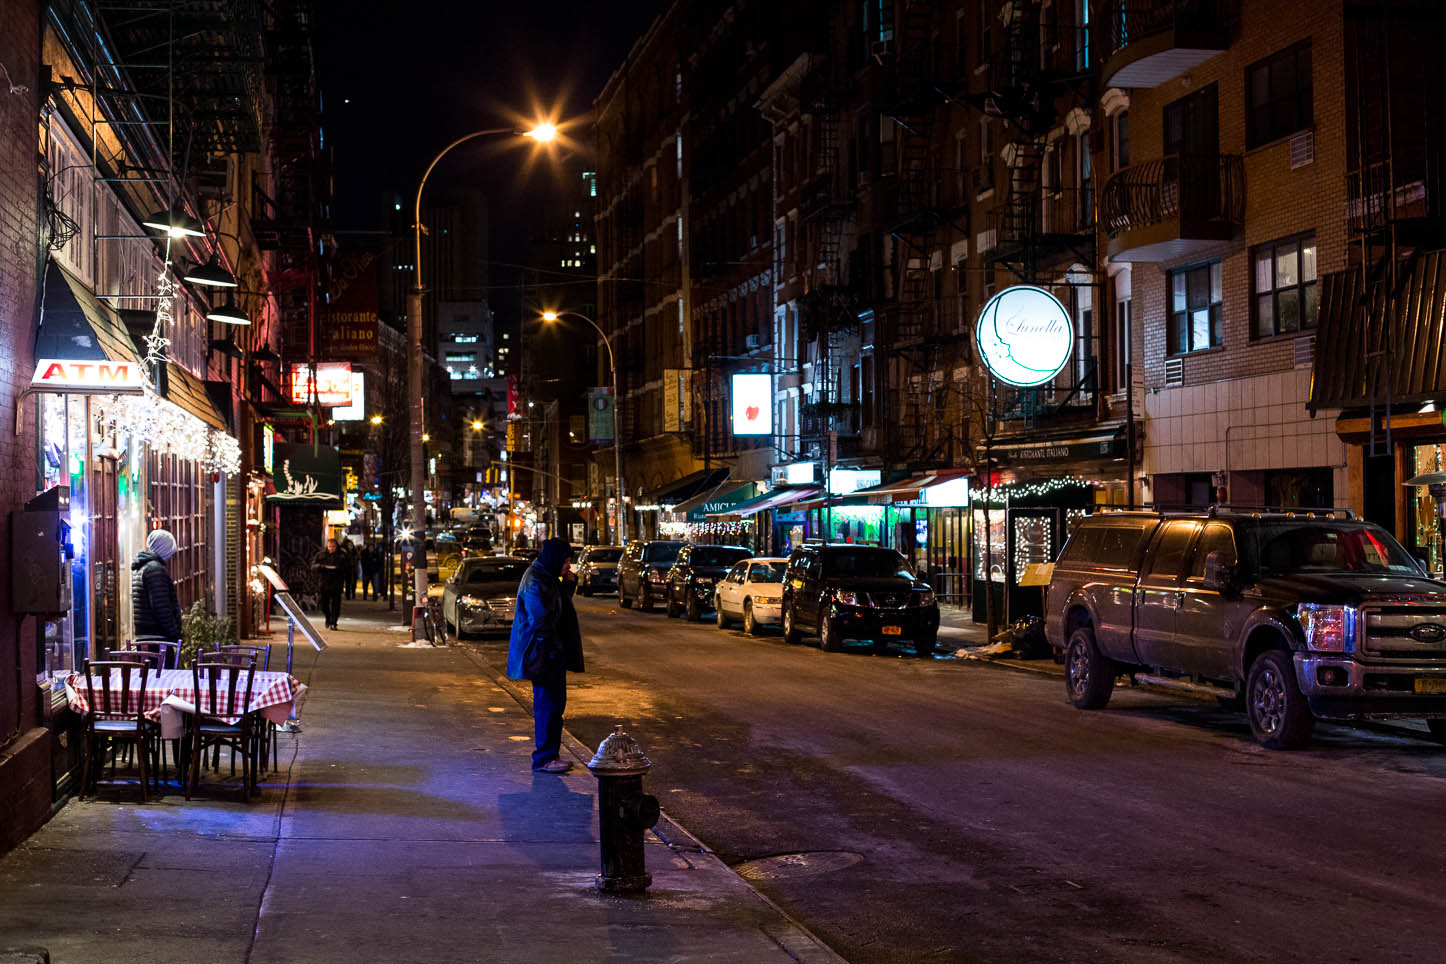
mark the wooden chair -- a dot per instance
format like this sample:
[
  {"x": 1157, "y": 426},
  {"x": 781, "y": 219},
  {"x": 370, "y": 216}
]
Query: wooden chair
[
  {"x": 170, "y": 652},
  {"x": 261, "y": 653},
  {"x": 115, "y": 692},
  {"x": 223, "y": 689}
]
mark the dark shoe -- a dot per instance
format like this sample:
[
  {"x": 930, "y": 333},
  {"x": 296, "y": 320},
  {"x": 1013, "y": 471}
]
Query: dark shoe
[{"x": 554, "y": 766}]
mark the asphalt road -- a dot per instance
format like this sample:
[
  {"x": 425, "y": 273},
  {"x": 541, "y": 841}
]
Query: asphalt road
[{"x": 948, "y": 810}]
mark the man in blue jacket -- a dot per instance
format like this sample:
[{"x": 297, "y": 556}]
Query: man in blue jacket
[{"x": 546, "y": 643}]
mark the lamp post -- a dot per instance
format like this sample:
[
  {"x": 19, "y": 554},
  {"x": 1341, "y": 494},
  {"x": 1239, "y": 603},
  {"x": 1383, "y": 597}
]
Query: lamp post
[
  {"x": 622, "y": 526},
  {"x": 542, "y": 133}
]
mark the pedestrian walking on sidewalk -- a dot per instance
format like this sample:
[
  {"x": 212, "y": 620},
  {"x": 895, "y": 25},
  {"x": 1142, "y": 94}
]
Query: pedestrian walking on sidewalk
[
  {"x": 350, "y": 568},
  {"x": 546, "y": 643},
  {"x": 371, "y": 566},
  {"x": 330, "y": 565},
  {"x": 155, "y": 610}
]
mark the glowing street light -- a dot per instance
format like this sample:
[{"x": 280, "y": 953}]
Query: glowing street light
[
  {"x": 542, "y": 133},
  {"x": 376, "y": 419},
  {"x": 477, "y": 425}
]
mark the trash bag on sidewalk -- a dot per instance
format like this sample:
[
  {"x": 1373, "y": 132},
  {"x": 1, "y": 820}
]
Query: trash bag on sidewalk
[{"x": 1027, "y": 637}]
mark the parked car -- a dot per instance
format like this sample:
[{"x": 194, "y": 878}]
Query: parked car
[
  {"x": 597, "y": 569},
  {"x": 689, "y": 587},
  {"x": 643, "y": 570},
  {"x": 753, "y": 592},
  {"x": 1300, "y": 615},
  {"x": 843, "y": 592},
  {"x": 481, "y": 596},
  {"x": 524, "y": 552},
  {"x": 476, "y": 542}
]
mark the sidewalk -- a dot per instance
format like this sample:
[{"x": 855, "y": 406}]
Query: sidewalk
[
  {"x": 404, "y": 825},
  {"x": 957, "y": 628}
]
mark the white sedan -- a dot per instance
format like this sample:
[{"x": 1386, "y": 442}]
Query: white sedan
[{"x": 753, "y": 592}]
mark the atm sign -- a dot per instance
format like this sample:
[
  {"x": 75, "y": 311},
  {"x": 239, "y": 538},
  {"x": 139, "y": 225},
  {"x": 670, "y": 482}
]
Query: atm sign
[{"x": 81, "y": 376}]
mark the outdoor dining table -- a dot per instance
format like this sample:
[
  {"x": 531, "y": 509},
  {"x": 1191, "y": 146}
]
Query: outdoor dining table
[{"x": 171, "y": 695}]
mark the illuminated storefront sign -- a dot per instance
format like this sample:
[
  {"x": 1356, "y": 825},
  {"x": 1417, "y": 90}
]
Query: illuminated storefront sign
[
  {"x": 268, "y": 449},
  {"x": 1024, "y": 335},
  {"x": 795, "y": 473},
  {"x": 333, "y": 384},
  {"x": 356, "y": 411},
  {"x": 88, "y": 376},
  {"x": 844, "y": 481},
  {"x": 954, "y": 492},
  {"x": 752, "y": 404}
]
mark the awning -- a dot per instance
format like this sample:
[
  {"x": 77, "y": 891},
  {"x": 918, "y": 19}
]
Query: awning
[
  {"x": 680, "y": 490},
  {"x": 907, "y": 489},
  {"x": 775, "y": 499},
  {"x": 74, "y": 325},
  {"x": 1354, "y": 328},
  {"x": 188, "y": 393},
  {"x": 717, "y": 499},
  {"x": 304, "y": 477}
]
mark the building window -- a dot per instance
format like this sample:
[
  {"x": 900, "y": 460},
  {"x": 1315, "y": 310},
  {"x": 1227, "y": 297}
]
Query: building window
[
  {"x": 986, "y": 34},
  {"x": 888, "y": 154},
  {"x": 1283, "y": 283},
  {"x": 1122, "y": 140},
  {"x": 1195, "y": 309},
  {"x": 1278, "y": 95},
  {"x": 986, "y": 154},
  {"x": 1082, "y": 46},
  {"x": 1124, "y": 309}
]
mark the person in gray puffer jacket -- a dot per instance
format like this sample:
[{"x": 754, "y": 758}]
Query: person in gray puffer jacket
[{"x": 155, "y": 610}]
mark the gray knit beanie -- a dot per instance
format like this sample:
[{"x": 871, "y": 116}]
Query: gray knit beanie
[{"x": 162, "y": 543}]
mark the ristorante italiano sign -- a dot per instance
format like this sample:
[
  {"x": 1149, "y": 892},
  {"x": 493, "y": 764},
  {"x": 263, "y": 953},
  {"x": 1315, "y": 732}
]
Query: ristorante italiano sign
[{"x": 1025, "y": 336}]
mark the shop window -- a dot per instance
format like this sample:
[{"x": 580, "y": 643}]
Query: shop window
[
  {"x": 1195, "y": 296},
  {"x": 1278, "y": 95},
  {"x": 1283, "y": 283}
]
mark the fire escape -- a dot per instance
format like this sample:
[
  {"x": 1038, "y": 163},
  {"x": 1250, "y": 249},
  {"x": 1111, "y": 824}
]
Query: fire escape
[
  {"x": 829, "y": 307},
  {"x": 286, "y": 219},
  {"x": 1043, "y": 226},
  {"x": 922, "y": 351}
]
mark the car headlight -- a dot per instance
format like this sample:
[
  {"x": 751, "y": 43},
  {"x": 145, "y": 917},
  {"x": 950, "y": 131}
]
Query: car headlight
[
  {"x": 1328, "y": 628},
  {"x": 655, "y": 575},
  {"x": 767, "y": 600},
  {"x": 472, "y": 602},
  {"x": 849, "y": 598},
  {"x": 925, "y": 598}
]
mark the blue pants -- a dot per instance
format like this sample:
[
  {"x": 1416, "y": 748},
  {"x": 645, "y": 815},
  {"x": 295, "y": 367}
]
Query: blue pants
[{"x": 549, "y": 699}]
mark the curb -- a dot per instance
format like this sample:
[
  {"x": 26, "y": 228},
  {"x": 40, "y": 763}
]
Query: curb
[{"x": 789, "y": 943}]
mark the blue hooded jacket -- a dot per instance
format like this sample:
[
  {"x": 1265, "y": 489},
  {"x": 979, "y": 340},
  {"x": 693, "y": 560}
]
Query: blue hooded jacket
[{"x": 545, "y": 620}]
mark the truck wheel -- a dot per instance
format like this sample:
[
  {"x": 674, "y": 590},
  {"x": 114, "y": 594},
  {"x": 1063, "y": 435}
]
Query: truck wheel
[
  {"x": 1089, "y": 678},
  {"x": 623, "y": 599},
  {"x": 790, "y": 628},
  {"x": 670, "y": 607},
  {"x": 924, "y": 645},
  {"x": 693, "y": 612},
  {"x": 1279, "y": 717},
  {"x": 1438, "y": 730},
  {"x": 645, "y": 603}
]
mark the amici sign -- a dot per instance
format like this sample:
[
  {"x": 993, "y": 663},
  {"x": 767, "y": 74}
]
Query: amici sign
[{"x": 1024, "y": 336}]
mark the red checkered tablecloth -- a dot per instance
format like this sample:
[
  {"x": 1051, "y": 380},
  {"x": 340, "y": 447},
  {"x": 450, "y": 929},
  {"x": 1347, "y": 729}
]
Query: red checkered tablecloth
[{"x": 270, "y": 692}]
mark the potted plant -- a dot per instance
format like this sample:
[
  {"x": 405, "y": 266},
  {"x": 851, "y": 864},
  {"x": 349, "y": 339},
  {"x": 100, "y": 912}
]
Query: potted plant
[{"x": 202, "y": 632}]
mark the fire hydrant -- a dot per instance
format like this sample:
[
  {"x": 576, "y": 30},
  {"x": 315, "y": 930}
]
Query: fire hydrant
[{"x": 624, "y": 812}]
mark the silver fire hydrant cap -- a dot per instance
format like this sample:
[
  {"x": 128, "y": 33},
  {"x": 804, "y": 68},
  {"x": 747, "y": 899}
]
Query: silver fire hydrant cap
[{"x": 619, "y": 756}]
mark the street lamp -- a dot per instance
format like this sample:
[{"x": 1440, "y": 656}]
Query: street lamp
[
  {"x": 542, "y": 133},
  {"x": 617, "y": 440}
]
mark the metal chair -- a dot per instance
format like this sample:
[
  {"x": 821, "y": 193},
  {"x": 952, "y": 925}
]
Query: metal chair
[
  {"x": 115, "y": 694},
  {"x": 223, "y": 690}
]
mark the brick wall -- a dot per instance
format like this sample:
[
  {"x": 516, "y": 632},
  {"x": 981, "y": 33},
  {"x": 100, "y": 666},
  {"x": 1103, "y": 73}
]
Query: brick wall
[
  {"x": 24, "y": 751},
  {"x": 1279, "y": 202}
]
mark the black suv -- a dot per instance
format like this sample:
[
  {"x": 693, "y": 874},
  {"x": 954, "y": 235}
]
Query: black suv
[
  {"x": 690, "y": 581},
  {"x": 857, "y": 592},
  {"x": 643, "y": 570},
  {"x": 1297, "y": 614}
]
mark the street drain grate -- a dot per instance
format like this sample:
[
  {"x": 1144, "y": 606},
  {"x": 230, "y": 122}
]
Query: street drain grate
[{"x": 803, "y": 864}]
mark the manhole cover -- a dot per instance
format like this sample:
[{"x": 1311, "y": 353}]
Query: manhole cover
[{"x": 805, "y": 864}]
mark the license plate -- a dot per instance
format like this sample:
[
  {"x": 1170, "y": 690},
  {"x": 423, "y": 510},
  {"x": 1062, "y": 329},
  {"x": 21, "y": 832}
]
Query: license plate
[
  {"x": 1430, "y": 685},
  {"x": 895, "y": 631}
]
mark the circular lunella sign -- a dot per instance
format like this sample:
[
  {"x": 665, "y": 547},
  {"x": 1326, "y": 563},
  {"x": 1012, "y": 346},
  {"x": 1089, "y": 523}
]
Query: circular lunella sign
[{"x": 1024, "y": 335}]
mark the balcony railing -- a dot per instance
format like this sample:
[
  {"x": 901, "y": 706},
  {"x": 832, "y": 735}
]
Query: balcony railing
[
  {"x": 1153, "y": 40},
  {"x": 1197, "y": 196},
  {"x": 1027, "y": 218}
]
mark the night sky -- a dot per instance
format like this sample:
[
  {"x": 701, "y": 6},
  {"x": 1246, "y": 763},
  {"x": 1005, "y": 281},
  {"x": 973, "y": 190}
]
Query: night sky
[{"x": 401, "y": 81}]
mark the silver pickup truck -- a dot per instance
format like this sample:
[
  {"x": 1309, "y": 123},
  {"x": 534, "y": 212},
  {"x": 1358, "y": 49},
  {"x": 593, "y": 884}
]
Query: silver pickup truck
[{"x": 1298, "y": 615}]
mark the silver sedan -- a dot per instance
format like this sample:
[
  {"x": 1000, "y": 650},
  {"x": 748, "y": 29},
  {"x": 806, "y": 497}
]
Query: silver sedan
[{"x": 481, "y": 596}]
